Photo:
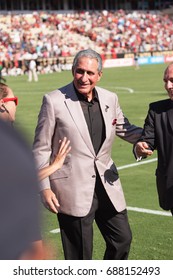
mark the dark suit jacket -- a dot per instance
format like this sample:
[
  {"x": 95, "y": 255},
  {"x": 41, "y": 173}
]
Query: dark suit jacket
[{"x": 158, "y": 133}]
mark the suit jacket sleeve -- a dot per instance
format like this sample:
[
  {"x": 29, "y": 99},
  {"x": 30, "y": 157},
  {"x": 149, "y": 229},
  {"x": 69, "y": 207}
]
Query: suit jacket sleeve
[
  {"x": 148, "y": 134},
  {"x": 43, "y": 137},
  {"x": 126, "y": 130}
]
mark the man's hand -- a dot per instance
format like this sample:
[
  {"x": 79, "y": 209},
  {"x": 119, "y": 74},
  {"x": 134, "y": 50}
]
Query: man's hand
[
  {"x": 49, "y": 200},
  {"x": 142, "y": 149}
]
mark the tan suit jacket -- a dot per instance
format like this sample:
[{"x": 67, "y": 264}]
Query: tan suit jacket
[{"x": 61, "y": 115}]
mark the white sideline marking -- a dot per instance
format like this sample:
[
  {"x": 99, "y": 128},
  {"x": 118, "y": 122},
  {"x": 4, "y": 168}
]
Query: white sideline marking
[
  {"x": 149, "y": 211},
  {"x": 57, "y": 230},
  {"x": 136, "y": 209},
  {"x": 130, "y": 90},
  {"x": 136, "y": 163}
]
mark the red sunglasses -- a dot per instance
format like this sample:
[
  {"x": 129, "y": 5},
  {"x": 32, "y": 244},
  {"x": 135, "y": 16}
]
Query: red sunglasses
[{"x": 15, "y": 99}]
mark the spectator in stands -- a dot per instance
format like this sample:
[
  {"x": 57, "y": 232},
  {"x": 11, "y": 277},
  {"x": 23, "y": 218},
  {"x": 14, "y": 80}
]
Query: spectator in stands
[{"x": 104, "y": 31}]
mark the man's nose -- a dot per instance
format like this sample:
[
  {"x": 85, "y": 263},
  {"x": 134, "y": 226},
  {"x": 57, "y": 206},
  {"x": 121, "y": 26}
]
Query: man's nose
[
  {"x": 84, "y": 76},
  {"x": 169, "y": 84}
]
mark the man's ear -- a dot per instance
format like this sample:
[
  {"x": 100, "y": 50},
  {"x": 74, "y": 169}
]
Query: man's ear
[{"x": 99, "y": 75}]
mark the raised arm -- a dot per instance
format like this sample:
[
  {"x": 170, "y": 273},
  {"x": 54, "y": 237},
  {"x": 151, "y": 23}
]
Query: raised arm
[{"x": 58, "y": 162}]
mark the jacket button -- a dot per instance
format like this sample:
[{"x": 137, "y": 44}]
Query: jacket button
[{"x": 93, "y": 176}]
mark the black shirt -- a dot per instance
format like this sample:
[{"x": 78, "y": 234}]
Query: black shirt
[{"x": 94, "y": 119}]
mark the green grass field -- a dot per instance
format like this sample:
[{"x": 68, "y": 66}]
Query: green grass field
[{"x": 152, "y": 234}]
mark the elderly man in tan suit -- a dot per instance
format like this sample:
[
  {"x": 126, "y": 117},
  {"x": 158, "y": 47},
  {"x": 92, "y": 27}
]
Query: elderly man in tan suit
[{"x": 87, "y": 187}]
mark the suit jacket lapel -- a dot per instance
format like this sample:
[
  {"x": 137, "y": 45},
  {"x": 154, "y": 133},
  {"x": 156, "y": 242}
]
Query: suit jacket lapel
[
  {"x": 77, "y": 115},
  {"x": 106, "y": 112}
]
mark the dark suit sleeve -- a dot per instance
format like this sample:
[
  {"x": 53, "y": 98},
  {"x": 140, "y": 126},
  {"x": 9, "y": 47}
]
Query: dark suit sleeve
[{"x": 148, "y": 134}]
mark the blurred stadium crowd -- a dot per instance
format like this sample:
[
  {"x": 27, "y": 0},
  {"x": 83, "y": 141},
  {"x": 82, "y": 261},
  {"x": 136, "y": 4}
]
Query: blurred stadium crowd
[{"x": 49, "y": 38}]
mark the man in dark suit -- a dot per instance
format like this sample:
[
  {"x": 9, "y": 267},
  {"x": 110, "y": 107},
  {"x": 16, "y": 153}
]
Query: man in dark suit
[
  {"x": 158, "y": 135},
  {"x": 87, "y": 187}
]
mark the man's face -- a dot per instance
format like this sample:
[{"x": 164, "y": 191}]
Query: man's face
[
  {"x": 168, "y": 80},
  {"x": 86, "y": 75}
]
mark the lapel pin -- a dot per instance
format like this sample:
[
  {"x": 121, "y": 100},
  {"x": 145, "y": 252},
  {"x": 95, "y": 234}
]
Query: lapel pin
[{"x": 106, "y": 108}]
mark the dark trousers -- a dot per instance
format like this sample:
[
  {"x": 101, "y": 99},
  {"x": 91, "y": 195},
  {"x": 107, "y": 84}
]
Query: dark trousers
[{"x": 77, "y": 232}]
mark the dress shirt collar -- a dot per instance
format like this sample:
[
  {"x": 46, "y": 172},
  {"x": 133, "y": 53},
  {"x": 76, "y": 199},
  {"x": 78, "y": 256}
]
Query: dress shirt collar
[{"x": 82, "y": 97}]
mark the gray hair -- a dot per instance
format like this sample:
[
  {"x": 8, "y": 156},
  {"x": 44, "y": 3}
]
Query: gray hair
[{"x": 91, "y": 54}]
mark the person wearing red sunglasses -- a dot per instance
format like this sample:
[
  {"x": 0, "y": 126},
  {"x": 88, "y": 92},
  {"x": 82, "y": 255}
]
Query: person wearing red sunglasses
[{"x": 8, "y": 103}]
